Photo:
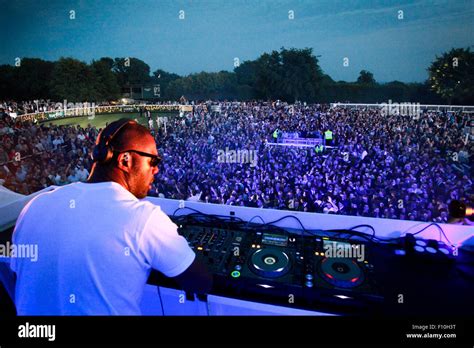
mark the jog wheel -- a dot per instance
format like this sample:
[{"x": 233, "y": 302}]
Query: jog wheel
[
  {"x": 270, "y": 263},
  {"x": 340, "y": 272}
]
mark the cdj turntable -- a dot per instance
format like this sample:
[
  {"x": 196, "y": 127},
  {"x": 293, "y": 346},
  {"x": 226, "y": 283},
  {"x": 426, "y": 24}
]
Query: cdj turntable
[
  {"x": 284, "y": 268},
  {"x": 348, "y": 276}
]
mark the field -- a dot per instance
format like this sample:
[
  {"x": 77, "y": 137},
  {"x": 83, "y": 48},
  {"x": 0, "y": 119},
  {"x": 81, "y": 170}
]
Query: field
[{"x": 100, "y": 120}]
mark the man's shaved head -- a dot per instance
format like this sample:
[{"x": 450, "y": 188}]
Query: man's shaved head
[
  {"x": 131, "y": 136},
  {"x": 128, "y": 167}
]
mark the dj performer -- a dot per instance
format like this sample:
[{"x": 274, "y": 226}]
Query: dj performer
[{"x": 97, "y": 241}]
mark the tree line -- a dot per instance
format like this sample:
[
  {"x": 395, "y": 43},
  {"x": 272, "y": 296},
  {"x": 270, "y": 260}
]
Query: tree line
[{"x": 288, "y": 74}]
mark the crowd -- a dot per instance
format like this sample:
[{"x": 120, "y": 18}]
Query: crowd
[
  {"x": 27, "y": 107},
  {"x": 387, "y": 166},
  {"x": 33, "y": 157}
]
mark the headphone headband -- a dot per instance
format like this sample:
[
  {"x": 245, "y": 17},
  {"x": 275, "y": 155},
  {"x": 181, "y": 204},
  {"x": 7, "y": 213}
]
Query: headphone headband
[{"x": 103, "y": 152}]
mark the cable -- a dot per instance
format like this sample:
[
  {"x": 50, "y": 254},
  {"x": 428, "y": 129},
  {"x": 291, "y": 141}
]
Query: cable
[
  {"x": 208, "y": 307},
  {"x": 212, "y": 216},
  {"x": 285, "y": 217},
  {"x": 200, "y": 217},
  {"x": 364, "y": 225},
  {"x": 432, "y": 224},
  {"x": 161, "y": 301},
  {"x": 256, "y": 216},
  {"x": 370, "y": 238},
  {"x": 197, "y": 211},
  {"x": 215, "y": 218}
]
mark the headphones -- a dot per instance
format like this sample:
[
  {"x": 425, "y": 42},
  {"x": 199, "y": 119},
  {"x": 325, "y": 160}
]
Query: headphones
[{"x": 103, "y": 151}]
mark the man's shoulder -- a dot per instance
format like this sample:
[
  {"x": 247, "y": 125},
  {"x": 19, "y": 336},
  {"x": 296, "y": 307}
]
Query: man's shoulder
[
  {"x": 51, "y": 191},
  {"x": 152, "y": 211}
]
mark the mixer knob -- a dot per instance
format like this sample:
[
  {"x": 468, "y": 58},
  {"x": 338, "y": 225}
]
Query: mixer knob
[
  {"x": 308, "y": 284},
  {"x": 238, "y": 267},
  {"x": 309, "y": 276}
]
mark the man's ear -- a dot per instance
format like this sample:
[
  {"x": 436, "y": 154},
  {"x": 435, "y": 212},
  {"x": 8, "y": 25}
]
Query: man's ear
[{"x": 124, "y": 161}]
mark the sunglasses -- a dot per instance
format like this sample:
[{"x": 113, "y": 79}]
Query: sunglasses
[{"x": 155, "y": 159}]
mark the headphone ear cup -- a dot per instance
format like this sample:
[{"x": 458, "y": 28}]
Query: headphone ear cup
[
  {"x": 99, "y": 153},
  {"x": 95, "y": 153},
  {"x": 103, "y": 151},
  {"x": 109, "y": 153}
]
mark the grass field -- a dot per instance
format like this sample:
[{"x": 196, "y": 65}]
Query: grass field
[{"x": 100, "y": 120}]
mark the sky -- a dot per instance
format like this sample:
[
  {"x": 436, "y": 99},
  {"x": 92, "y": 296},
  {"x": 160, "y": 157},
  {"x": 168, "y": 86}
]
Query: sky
[{"x": 395, "y": 40}]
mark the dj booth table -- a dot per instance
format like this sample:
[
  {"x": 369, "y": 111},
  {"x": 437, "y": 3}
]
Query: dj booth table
[{"x": 417, "y": 285}]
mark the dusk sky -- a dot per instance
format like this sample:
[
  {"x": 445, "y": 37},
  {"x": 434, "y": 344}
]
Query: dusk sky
[{"x": 213, "y": 33}]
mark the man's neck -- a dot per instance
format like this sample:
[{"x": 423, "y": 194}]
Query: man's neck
[
  {"x": 96, "y": 178},
  {"x": 99, "y": 174}
]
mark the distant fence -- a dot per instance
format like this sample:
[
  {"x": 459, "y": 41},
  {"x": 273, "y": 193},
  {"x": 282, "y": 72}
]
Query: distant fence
[
  {"x": 91, "y": 110},
  {"x": 462, "y": 108}
]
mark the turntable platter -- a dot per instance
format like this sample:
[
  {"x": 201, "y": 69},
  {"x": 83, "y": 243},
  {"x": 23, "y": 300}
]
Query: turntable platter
[
  {"x": 341, "y": 272},
  {"x": 270, "y": 263}
]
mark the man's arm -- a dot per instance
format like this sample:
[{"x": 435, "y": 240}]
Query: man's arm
[{"x": 196, "y": 278}]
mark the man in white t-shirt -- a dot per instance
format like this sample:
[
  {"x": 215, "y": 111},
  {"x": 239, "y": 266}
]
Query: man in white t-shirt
[
  {"x": 82, "y": 173},
  {"x": 96, "y": 241},
  {"x": 57, "y": 142}
]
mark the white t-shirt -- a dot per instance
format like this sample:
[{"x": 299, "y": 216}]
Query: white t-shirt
[
  {"x": 96, "y": 245},
  {"x": 82, "y": 175}
]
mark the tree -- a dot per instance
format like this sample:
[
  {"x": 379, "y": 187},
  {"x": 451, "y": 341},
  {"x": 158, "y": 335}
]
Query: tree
[
  {"x": 366, "y": 78},
  {"x": 8, "y": 81},
  {"x": 131, "y": 71},
  {"x": 268, "y": 80},
  {"x": 451, "y": 76},
  {"x": 290, "y": 74},
  {"x": 423, "y": 94},
  {"x": 203, "y": 85},
  {"x": 163, "y": 78},
  {"x": 74, "y": 81},
  {"x": 28, "y": 81},
  {"x": 105, "y": 80},
  {"x": 246, "y": 75},
  {"x": 302, "y": 75}
]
